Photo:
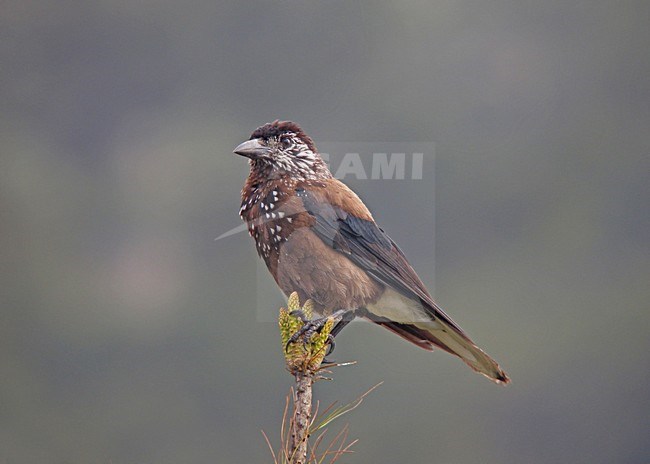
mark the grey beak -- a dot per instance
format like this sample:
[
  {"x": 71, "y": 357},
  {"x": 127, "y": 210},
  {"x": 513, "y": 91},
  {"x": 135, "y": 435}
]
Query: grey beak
[{"x": 251, "y": 149}]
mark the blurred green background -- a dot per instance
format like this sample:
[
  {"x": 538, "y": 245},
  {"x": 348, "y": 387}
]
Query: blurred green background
[{"x": 129, "y": 335}]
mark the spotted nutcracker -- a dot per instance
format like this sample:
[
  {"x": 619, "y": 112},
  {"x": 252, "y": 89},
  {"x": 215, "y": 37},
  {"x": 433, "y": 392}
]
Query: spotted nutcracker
[{"x": 318, "y": 238}]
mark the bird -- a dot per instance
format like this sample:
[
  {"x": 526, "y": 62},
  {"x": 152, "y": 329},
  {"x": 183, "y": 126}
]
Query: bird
[{"x": 318, "y": 238}]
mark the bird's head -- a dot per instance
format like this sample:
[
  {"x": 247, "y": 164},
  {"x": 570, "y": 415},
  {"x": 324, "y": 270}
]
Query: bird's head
[{"x": 282, "y": 149}]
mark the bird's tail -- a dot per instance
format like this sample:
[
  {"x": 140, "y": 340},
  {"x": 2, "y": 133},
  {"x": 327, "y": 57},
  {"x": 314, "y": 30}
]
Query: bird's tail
[{"x": 427, "y": 334}]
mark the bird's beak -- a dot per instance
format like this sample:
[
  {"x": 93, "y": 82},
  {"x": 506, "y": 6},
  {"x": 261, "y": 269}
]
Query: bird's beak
[{"x": 251, "y": 149}]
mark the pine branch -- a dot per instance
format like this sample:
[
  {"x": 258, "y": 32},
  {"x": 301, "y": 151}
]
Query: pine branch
[
  {"x": 303, "y": 359},
  {"x": 301, "y": 418}
]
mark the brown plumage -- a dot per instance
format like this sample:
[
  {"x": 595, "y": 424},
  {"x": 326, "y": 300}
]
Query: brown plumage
[{"x": 318, "y": 238}]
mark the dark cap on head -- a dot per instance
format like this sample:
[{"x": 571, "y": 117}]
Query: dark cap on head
[{"x": 277, "y": 127}]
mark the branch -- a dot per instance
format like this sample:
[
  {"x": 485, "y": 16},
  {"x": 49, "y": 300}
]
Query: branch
[
  {"x": 301, "y": 418},
  {"x": 303, "y": 360}
]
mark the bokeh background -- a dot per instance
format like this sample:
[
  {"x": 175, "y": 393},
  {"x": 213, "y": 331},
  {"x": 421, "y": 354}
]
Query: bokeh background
[{"x": 128, "y": 335}]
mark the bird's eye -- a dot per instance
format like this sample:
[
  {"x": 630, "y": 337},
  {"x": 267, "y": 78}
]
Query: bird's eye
[{"x": 285, "y": 142}]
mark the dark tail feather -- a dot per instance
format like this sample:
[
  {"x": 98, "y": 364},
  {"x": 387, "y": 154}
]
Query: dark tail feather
[
  {"x": 427, "y": 335},
  {"x": 410, "y": 333}
]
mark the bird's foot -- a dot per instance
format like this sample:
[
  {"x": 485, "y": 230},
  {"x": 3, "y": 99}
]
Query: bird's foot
[
  {"x": 311, "y": 327},
  {"x": 308, "y": 329}
]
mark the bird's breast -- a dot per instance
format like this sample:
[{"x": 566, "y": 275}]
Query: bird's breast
[
  {"x": 297, "y": 258},
  {"x": 271, "y": 215},
  {"x": 316, "y": 271}
]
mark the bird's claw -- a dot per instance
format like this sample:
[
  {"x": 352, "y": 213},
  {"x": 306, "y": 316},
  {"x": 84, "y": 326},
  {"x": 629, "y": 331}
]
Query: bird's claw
[
  {"x": 330, "y": 345},
  {"x": 330, "y": 350},
  {"x": 308, "y": 329}
]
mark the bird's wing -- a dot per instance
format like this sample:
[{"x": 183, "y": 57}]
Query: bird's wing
[
  {"x": 340, "y": 219},
  {"x": 343, "y": 222}
]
